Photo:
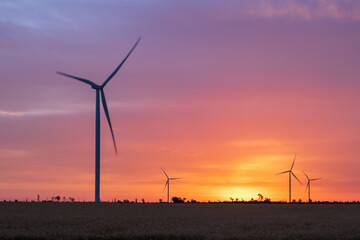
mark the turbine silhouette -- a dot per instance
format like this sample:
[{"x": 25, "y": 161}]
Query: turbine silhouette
[
  {"x": 100, "y": 91},
  {"x": 168, "y": 183},
  {"x": 290, "y": 173},
  {"x": 308, "y": 184}
]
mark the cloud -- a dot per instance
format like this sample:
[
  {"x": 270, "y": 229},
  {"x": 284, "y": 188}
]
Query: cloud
[
  {"x": 13, "y": 152},
  {"x": 257, "y": 143},
  {"x": 34, "y": 112},
  {"x": 305, "y": 10},
  {"x": 11, "y": 114},
  {"x": 286, "y": 9},
  {"x": 34, "y": 15}
]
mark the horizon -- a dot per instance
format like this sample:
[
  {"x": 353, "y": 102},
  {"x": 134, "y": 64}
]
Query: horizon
[{"x": 222, "y": 95}]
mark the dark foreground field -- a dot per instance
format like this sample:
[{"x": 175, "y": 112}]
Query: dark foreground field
[{"x": 178, "y": 221}]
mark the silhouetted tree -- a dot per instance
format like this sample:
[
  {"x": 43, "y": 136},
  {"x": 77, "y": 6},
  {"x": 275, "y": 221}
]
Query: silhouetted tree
[
  {"x": 160, "y": 200},
  {"x": 232, "y": 200},
  {"x": 267, "y": 200},
  {"x": 143, "y": 200},
  {"x": 177, "y": 200},
  {"x": 57, "y": 198},
  {"x": 260, "y": 197},
  {"x": 38, "y": 198}
]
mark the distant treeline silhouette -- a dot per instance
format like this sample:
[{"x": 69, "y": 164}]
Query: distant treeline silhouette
[{"x": 261, "y": 199}]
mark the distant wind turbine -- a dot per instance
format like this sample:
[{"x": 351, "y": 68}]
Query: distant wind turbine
[
  {"x": 100, "y": 90},
  {"x": 290, "y": 173},
  {"x": 308, "y": 184},
  {"x": 168, "y": 183}
]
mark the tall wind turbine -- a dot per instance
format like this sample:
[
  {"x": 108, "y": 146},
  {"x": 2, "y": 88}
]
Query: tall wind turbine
[
  {"x": 308, "y": 184},
  {"x": 290, "y": 173},
  {"x": 168, "y": 183},
  {"x": 100, "y": 90}
]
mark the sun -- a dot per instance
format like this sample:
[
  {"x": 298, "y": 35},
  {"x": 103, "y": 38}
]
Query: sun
[{"x": 240, "y": 193}]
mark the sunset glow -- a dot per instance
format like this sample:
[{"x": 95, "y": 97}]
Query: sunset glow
[{"x": 222, "y": 95}]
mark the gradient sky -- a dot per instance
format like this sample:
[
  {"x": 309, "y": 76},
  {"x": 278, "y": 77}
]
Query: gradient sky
[{"x": 221, "y": 94}]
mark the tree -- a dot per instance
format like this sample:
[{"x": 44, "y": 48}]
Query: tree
[
  {"x": 160, "y": 200},
  {"x": 57, "y": 198},
  {"x": 177, "y": 200},
  {"x": 260, "y": 197}
]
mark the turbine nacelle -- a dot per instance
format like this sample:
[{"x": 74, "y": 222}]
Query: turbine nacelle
[{"x": 96, "y": 87}]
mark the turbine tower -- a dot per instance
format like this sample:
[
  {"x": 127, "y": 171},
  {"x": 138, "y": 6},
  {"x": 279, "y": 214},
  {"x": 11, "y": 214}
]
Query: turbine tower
[
  {"x": 168, "y": 184},
  {"x": 100, "y": 91},
  {"x": 290, "y": 173},
  {"x": 308, "y": 184}
]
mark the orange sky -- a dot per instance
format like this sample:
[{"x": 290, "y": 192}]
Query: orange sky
[{"x": 221, "y": 95}]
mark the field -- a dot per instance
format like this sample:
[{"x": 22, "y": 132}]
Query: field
[{"x": 178, "y": 221}]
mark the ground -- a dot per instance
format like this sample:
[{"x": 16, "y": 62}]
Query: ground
[{"x": 178, "y": 221}]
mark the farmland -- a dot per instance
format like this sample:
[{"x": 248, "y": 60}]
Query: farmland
[{"x": 178, "y": 221}]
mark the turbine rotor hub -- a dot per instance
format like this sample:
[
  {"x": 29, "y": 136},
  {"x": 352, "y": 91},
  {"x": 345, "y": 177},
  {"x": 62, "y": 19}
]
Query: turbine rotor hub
[{"x": 97, "y": 87}]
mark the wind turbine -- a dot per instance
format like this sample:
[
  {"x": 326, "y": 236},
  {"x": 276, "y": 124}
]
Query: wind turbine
[
  {"x": 100, "y": 90},
  {"x": 308, "y": 184},
  {"x": 290, "y": 173},
  {"x": 168, "y": 183}
]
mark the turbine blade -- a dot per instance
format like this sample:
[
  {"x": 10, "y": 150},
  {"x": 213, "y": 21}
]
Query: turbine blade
[
  {"x": 174, "y": 178},
  {"x": 305, "y": 175},
  {"x": 167, "y": 182},
  {"x": 123, "y": 61},
  {"x": 282, "y": 172},
  {"x": 164, "y": 173},
  {"x": 108, "y": 117},
  {"x": 293, "y": 163},
  {"x": 296, "y": 177},
  {"x": 307, "y": 185},
  {"x": 79, "y": 79},
  {"x": 314, "y": 179}
]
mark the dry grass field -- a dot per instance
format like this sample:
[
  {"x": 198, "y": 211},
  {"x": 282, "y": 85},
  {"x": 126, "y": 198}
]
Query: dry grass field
[{"x": 178, "y": 221}]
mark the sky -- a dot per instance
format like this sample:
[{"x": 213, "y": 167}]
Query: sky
[{"x": 222, "y": 94}]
